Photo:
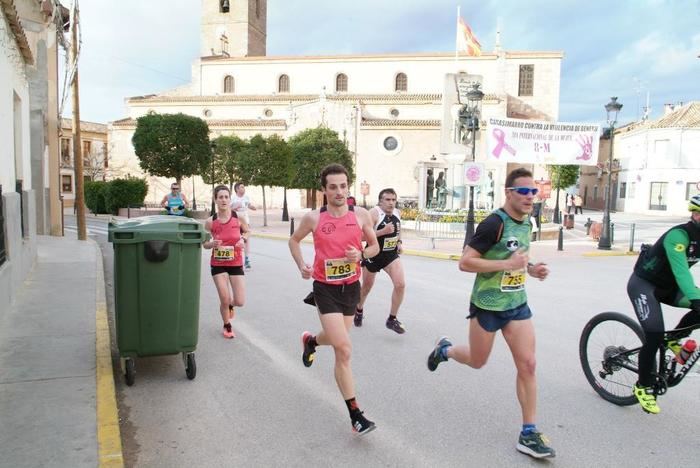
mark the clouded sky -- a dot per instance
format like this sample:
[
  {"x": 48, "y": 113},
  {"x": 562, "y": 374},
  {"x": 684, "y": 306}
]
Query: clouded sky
[{"x": 622, "y": 48}]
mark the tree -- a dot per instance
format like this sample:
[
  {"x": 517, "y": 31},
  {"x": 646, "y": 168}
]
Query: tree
[
  {"x": 171, "y": 145},
  {"x": 562, "y": 176},
  {"x": 273, "y": 159},
  {"x": 312, "y": 150},
  {"x": 226, "y": 151}
]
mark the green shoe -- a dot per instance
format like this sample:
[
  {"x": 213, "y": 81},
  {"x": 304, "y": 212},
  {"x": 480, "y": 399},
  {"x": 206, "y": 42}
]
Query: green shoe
[
  {"x": 646, "y": 398},
  {"x": 674, "y": 346},
  {"x": 535, "y": 445}
]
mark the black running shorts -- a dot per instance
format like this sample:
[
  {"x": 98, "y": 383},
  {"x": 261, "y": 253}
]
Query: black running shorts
[
  {"x": 378, "y": 263},
  {"x": 231, "y": 270},
  {"x": 337, "y": 298}
]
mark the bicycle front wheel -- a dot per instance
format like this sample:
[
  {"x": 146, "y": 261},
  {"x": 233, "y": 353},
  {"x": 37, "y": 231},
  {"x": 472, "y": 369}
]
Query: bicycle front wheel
[{"x": 608, "y": 349}]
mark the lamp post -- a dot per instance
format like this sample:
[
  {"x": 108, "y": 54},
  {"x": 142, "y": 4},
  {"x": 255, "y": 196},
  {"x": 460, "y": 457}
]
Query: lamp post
[
  {"x": 213, "y": 149},
  {"x": 194, "y": 196},
  {"x": 612, "y": 108},
  {"x": 469, "y": 118}
]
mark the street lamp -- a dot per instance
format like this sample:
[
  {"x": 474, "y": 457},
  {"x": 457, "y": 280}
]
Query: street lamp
[
  {"x": 194, "y": 196},
  {"x": 213, "y": 150},
  {"x": 469, "y": 119},
  {"x": 612, "y": 108}
]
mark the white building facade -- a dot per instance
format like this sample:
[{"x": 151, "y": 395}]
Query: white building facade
[
  {"x": 659, "y": 163},
  {"x": 386, "y": 107}
]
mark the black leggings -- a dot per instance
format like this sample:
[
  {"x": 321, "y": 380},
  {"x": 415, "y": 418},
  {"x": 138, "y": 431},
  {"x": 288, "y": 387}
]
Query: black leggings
[{"x": 647, "y": 305}]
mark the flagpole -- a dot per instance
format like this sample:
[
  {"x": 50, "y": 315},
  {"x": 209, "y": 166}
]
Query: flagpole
[{"x": 457, "y": 38}]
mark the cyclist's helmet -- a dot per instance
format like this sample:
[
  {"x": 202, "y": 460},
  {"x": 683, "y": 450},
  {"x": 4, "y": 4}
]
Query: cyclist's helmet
[{"x": 694, "y": 203}]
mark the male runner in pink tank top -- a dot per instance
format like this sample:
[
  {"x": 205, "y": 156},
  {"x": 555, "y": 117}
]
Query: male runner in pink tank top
[{"x": 337, "y": 230}]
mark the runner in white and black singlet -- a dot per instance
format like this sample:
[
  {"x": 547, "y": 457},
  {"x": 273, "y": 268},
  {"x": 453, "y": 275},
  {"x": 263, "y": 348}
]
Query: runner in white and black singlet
[{"x": 387, "y": 225}]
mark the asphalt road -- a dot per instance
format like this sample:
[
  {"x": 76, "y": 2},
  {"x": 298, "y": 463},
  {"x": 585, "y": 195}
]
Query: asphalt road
[{"x": 253, "y": 403}]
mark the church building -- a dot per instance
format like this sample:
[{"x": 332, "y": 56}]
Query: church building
[{"x": 386, "y": 107}]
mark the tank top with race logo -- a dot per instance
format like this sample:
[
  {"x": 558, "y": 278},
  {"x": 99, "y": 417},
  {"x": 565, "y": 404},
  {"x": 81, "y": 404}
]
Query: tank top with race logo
[
  {"x": 500, "y": 291},
  {"x": 388, "y": 242},
  {"x": 227, "y": 254},
  {"x": 331, "y": 237}
]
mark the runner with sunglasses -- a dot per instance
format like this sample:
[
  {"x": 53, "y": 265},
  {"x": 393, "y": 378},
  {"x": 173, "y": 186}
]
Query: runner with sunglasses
[{"x": 498, "y": 254}]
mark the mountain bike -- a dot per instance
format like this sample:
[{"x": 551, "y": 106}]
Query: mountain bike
[{"x": 609, "y": 349}]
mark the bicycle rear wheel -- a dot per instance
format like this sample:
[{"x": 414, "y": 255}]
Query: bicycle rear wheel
[{"x": 609, "y": 365}]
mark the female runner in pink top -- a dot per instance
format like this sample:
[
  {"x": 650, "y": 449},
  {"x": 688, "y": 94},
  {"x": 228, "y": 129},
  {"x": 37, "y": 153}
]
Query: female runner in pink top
[{"x": 229, "y": 235}]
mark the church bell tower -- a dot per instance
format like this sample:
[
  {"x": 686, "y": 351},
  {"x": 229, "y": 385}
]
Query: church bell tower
[{"x": 234, "y": 28}]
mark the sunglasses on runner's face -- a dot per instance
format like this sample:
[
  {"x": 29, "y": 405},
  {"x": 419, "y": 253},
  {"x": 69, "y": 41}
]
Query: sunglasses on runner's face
[{"x": 524, "y": 190}]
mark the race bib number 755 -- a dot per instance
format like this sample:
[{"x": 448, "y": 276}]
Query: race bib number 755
[{"x": 513, "y": 280}]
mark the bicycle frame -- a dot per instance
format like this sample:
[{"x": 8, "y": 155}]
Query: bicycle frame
[{"x": 668, "y": 372}]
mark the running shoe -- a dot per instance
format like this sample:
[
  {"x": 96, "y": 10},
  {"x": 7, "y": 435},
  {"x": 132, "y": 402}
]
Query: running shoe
[
  {"x": 395, "y": 325},
  {"x": 646, "y": 398},
  {"x": 362, "y": 425},
  {"x": 535, "y": 445},
  {"x": 308, "y": 351},
  {"x": 228, "y": 331},
  {"x": 435, "y": 356},
  {"x": 358, "y": 317}
]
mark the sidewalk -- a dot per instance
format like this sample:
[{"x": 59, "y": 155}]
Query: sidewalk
[{"x": 57, "y": 400}]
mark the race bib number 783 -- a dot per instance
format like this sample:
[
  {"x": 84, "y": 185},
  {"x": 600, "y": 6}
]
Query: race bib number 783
[{"x": 339, "y": 269}]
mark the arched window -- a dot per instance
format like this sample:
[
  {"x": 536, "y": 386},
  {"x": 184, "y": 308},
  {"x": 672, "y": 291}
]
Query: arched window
[
  {"x": 283, "y": 86},
  {"x": 341, "y": 83},
  {"x": 228, "y": 84},
  {"x": 401, "y": 83}
]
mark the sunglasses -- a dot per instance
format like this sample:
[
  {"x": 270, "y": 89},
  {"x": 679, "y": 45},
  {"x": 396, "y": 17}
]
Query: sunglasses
[{"x": 524, "y": 190}]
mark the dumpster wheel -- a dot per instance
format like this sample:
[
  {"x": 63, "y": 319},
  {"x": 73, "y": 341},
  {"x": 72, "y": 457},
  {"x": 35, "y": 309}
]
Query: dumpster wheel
[
  {"x": 130, "y": 373},
  {"x": 190, "y": 365}
]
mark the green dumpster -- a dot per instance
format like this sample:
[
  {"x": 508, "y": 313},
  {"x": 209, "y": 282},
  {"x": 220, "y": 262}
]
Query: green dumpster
[{"x": 157, "y": 263}]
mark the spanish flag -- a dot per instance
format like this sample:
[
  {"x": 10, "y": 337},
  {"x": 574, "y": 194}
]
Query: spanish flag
[{"x": 466, "y": 40}]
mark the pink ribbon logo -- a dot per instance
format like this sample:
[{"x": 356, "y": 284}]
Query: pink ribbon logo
[{"x": 500, "y": 136}]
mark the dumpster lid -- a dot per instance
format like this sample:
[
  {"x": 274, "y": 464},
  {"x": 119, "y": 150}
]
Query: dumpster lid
[{"x": 159, "y": 223}]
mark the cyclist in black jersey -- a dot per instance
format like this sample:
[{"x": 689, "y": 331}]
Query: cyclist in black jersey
[
  {"x": 662, "y": 276},
  {"x": 387, "y": 225}
]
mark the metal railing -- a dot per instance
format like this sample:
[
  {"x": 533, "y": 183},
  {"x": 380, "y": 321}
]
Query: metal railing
[
  {"x": 428, "y": 225},
  {"x": 3, "y": 249}
]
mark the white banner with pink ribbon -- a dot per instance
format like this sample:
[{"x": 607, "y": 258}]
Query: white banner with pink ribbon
[{"x": 533, "y": 141}]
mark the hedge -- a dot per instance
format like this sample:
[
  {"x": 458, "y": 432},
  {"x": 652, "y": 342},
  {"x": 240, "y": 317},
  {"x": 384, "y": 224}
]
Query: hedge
[
  {"x": 121, "y": 193},
  {"x": 95, "y": 196}
]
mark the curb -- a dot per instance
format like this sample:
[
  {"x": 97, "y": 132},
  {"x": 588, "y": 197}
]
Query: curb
[
  {"x": 109, "y": 443},
  {"x": 609, "y": 253}
]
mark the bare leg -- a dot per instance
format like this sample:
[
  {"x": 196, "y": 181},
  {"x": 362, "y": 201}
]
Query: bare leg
[
  {"x": 520, "y": 336},
  {"x": 335, "y": 333},
  {"x": 395, "y": 272},
  {"x": 222, "y": 288},
  {"x": 367, "y": 283},
  {"x": 480, "y": 344}
]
